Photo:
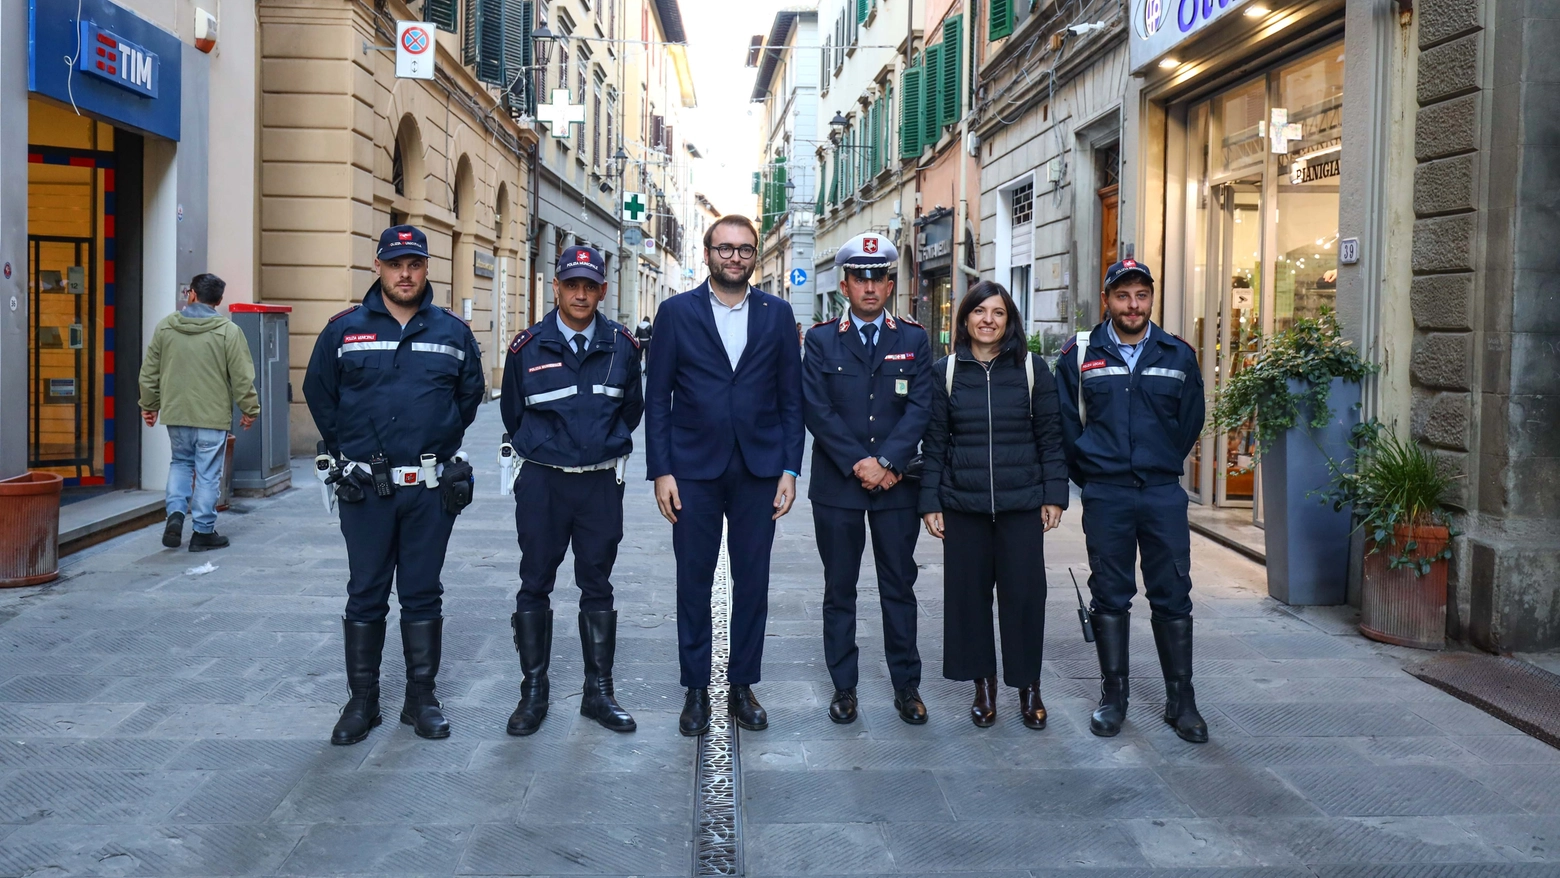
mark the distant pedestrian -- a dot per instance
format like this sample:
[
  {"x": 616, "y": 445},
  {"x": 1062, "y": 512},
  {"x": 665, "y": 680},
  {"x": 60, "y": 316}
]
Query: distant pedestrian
[
  {"x": 995, "y": 481},
  {"x": 196, "y": 369},
  {"x": 1132, "y": 410},
  {"x": 642, "y": 334}
]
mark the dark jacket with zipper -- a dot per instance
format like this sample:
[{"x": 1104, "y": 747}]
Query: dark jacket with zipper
[{"x": 984, "y": 451}]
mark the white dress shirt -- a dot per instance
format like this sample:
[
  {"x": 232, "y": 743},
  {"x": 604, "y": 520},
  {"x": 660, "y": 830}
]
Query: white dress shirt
[
  {"x": 1128, "y": 352},
  {"x": 731, "y": 321},
  {"x": 569, "y": 332}
]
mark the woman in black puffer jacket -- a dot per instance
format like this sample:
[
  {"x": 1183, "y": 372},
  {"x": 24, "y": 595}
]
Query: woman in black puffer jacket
[{"x": 995, "y": 480}]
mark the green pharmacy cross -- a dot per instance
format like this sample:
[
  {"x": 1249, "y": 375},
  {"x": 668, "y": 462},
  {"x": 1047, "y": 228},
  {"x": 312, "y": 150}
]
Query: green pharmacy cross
[
  {"x": 560, "y": 114},
  {"x": 634, "y": 207}
]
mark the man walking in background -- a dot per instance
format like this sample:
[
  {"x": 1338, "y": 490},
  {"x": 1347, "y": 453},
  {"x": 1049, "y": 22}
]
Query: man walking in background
[
  {"x": 197, "y": 368},
  {"x": 723, "y": 443}
]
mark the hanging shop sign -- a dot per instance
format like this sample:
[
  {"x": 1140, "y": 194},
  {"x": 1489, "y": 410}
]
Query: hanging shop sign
[
  {"x": 1158, "y": 26},
  {"x": 123, "y": 69}
]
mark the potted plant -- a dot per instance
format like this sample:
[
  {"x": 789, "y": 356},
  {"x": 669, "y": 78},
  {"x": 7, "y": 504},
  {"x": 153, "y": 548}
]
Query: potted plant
[
  {"x": 1301, "y": 395},
  {"x": 1398, "y": 495}
]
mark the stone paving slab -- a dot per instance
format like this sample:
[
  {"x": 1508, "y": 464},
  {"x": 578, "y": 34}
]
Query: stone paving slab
[{"x": 160, "y": 724}]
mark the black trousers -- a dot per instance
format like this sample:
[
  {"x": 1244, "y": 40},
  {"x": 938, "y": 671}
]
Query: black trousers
[
  {"x": 980, "y": 552},
  {"x": 554, "y": 509},
  {"x": 1118, "y": 521},
  {"x": 402, "y": 538},
  {"x": 841, "y": 537},
  {"x": 742, "y": 503}
]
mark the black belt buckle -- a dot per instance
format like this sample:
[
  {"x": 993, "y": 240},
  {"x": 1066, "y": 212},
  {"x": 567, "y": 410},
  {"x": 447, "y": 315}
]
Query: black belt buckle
[{"x": 380, "y": 467}]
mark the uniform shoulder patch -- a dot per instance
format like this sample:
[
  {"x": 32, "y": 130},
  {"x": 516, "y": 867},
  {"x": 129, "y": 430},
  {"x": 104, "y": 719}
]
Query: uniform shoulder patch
[
  {"x": 340, "y": 314},
  {"x": 1068, "y": 347},
  {"x": 630, "y": 336},
  {"x": 822, "y": 323},
  {"x": 910, "y": 320},
  {"x": 521, "y": 338}
]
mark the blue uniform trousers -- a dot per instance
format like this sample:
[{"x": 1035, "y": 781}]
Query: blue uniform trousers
[
  {"x": 401, "y": 537},
  {"x": 1118, "y": 520},
  {"x": 554, "y": 508},
  {"x": 841, "y": 537},
  {"x": 744, "y": 502}
]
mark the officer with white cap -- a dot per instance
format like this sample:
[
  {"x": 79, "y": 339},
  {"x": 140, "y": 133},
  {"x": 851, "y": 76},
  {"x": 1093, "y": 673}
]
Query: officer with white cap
[{"x": 867, "y": 399}]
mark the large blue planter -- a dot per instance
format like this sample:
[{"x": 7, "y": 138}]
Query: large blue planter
[{"x": 1307, "y": 542}]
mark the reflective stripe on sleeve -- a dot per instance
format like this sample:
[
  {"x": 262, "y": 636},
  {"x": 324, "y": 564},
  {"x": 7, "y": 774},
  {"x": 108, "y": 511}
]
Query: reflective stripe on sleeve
[
  {"x": 367, "y": 346},
  {"x": 549, "y": 396},
  {"x": 604, "y": 390},
  {"x": 450, "y": 350},
  {"x": 1102, "y": 371},
  {"x": 1177, "y": 374}
]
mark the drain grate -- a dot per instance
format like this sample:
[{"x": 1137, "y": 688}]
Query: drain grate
[
  {"x": 717, "y": 839},
  {"x": 1523, "y": 695}
]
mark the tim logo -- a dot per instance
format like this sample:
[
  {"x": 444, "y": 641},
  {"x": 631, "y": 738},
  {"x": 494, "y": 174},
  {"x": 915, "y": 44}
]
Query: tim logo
[
  {"x": 1150, "y": 17},
  {"x": 121, "y": 62}
]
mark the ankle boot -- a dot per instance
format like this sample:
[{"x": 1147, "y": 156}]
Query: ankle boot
[
  {"x": 365, "y": 645},
  {"x": 1173, "y": 639},
  {"x": 1110, "y": 640},
  {"x": 1030, "y": 707},
  {"x": 983, "y": 712},
  {"x": 598, "y": 644},
  {"x": 422, "y": 642},
  {"x": 533, "y": 643}
]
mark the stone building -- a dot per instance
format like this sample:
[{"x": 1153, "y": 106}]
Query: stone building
[{"x": 787, "y": 179}]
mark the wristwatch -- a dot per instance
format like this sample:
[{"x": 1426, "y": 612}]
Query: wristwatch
[{"x": 883, "y": 462}]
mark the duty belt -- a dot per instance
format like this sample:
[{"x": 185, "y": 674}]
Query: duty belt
[
  {"x": 403, "y": 476},
  {"x": 614, "y": 464}
]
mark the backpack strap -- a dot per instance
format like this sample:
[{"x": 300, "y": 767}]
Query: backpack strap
[
  {"x": 1029, "y": 377},
  {"x": 948, "y": 375},
  {"x": 1082, "y": 345}
]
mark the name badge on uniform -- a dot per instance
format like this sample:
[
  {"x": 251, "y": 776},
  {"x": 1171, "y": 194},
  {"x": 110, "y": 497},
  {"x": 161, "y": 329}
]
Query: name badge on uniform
[{"x": 901, "y": 386}]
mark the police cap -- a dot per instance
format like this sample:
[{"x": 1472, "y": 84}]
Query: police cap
[
  {"x": 1126, "y": 269},
  {"x": 398, "y": 241},
  {"x": 868, "y": 256},
  {"x": 582, "y": 261}
]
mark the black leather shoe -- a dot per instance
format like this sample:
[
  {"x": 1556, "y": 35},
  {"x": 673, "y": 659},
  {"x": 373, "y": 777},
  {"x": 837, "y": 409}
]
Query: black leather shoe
[
  {"x": 745, "y": 709},
  {"x": 365, "y": 644},
  {"x": 1173, "y": 639},
  {"x": 842, "y": 709},
  {"x": 422, "y": 642},
  {"x": 598, "y": 644},
  {"x": 910, "y": 706},
  {"x": 983, "y": 710},
  {"x": 1030, "y": 707},
  {"x": 200, "y": 542},
  {"x": 173, "y": 530},
  {"x": 1110, "y": 641},
  {"x": 695, "y": 719},
  {"x": 533, "y": 643}
]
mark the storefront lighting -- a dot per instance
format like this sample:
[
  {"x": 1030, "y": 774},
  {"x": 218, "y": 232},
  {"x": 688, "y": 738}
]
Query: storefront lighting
[
  {"x": 1256, "y": 11},
  {"x": 1169, "y": 63}
]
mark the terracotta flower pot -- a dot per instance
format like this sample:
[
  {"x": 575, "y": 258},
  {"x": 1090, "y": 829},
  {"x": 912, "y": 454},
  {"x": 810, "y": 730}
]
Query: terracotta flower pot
[
  {"x": 1400, "y": 606},
  {"x": 29, "y": 529}
]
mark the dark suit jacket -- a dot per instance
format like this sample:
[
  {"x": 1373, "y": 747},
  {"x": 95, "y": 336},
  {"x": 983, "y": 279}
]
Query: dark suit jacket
[
  {"x": 855, "y": 408},
  {"x": 698, "y": 409}
]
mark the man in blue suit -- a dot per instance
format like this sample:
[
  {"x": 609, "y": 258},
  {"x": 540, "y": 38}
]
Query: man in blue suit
[{"x": 723, "y": 443}]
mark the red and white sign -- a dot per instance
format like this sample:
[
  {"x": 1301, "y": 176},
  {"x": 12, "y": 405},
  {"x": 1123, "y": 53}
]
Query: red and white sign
[
  {"x": 413, "y": 50},
  {"x": 1092, "y": 364},
  {"x": 364, "y": 336},
  {"x": 869, "y": 245}
]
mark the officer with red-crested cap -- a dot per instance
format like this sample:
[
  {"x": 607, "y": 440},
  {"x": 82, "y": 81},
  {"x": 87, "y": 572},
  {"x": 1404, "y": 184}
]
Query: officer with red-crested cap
[
  {"x": 571, "y": 400},
  {"x": 1132, "y": 409},
  {"x": 867, "y": 401},
  {"x": 393, "y": 384}
]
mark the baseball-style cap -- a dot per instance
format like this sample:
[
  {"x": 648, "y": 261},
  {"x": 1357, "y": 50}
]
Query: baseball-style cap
[
  {"x": 586, "y": 262},
  {"x": 1125, "y": 269},
  {"x": 398, "y": 241},
  {"x": 867, "y": 256}
]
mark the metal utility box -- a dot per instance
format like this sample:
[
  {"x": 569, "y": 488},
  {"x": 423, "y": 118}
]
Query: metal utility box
[{"x": 260, "y": 456}]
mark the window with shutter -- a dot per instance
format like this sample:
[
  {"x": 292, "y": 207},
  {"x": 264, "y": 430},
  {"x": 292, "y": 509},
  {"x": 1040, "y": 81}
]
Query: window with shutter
[
  {"x": 863, "y": 8},
  {"x": 757, "y": 179},
  {"x": 485, "y": 30},
  {"x": 595, "y": 128},
  {"x": 931, "y": 95},
  {"x": 468, "y": 34},
  {"x": 952, "y": 73},
  {"x": 910, "y": 113},
  {"x": 782, "y": 204},
  {"x": 1001, "y": 24},
  {"x": 563, "y": 66},
  {"x": 441, "y": 14},
  {"x": 669, "y": 139}
]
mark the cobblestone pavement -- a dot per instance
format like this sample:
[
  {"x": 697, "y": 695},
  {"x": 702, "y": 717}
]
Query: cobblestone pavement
[{"x": 158, "y": 723}]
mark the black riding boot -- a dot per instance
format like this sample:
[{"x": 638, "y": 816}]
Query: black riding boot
[
  {"x": 421, "y": 642},
  {"x": 1173, "y": 639},
  {"x": 365, "y": 645},
  {"x": 533, "y": 641},
  {"x": 1110, "y": 640},
  {"x": 598, "y": 643}
]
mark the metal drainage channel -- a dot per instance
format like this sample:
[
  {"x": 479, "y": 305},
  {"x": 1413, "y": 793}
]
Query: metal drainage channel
[{"x": 717, "y": 835}]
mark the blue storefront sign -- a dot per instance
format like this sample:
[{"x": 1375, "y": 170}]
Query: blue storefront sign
[
  {"x": 1160, "y": 25},
  {"x": 108, "y": 62}
]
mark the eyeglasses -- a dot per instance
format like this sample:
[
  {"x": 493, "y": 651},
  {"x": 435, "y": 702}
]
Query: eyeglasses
[{"x": 726, "y": 251}]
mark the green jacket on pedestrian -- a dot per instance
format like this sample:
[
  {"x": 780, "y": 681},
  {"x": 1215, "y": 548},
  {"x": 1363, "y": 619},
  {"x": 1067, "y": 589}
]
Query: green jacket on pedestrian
[{"x": 197, "y": 368}]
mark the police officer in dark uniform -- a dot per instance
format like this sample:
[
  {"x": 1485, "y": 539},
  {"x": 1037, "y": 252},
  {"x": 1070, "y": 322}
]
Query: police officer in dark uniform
[
  {"x": 571, "y": 401},
  {"x": 868, "y": 400},
  {"x": 1127, "y": 437},
  {"x": 393, "y": 384}
]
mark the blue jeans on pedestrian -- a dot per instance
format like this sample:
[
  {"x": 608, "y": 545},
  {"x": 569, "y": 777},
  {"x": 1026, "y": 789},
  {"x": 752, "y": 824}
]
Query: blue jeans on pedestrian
[{"x": 197, "y": 459}]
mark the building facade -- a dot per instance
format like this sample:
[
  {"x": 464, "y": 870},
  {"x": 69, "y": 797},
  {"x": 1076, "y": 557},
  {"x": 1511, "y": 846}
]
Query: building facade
[
  {"x": 123, "y": 173},
  {"x": 787, "y": 179}
]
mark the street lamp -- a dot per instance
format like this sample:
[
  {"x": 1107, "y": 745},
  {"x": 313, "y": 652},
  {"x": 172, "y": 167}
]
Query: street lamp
[
  {"x": 839, "y": 121},
  {"x": 544, "y": 40}
]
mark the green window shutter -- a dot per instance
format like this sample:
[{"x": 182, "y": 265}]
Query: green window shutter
[
  {"x": 757, "y": 179},
  {"x": 782, "y": 203},
  {"x": 1001, "y": 24},
  {"x": 441, "y": 13},
  {"x": 834, "y": 181},
  {"x": 931, "y": 95},
  {"x": 910, "y": 113},
  {"x": 952, "y": 59},
  {"x": 487, "y": 25},
  {"x": 819, "y": 209},
  {"x": 872, "y": 138},
  {"x": 863, "y": 9}
]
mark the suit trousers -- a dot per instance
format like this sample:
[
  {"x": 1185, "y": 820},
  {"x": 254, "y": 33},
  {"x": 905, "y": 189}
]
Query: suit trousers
[
  {"x": 743, "y": 503},
  {"x": 841, "y": 537},
  {"x": 1118, "y": 521},
  {"x": 554, "y": 509},
  {"x": 401, "y": 537},
  {"x": 981, "y": 551}
]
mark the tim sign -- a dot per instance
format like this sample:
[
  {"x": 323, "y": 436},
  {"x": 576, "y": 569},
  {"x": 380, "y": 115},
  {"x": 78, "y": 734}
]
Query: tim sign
[{"x": 121, "y": 62}]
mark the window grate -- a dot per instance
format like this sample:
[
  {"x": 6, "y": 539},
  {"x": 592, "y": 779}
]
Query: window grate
[{"x": 1024, "y": 204}]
